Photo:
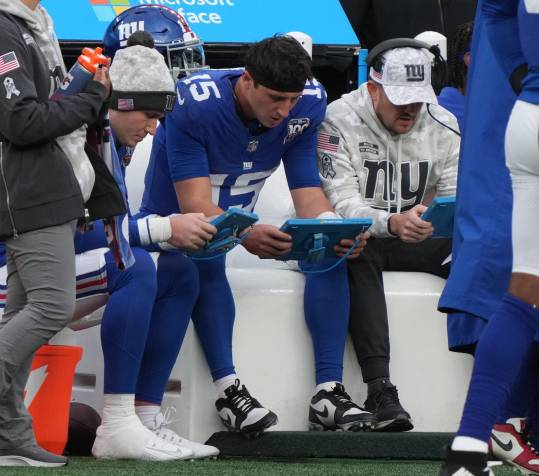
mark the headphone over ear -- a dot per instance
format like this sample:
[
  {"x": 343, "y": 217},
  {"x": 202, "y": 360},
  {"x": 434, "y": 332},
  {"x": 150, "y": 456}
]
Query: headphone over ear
[{"x": 439, "y": 66}]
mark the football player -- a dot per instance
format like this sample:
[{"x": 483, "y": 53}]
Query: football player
[
  {"x": 513, "y": 29},
  {"x": 228, "y": 132},
  {"x": 150, "y": 303}
]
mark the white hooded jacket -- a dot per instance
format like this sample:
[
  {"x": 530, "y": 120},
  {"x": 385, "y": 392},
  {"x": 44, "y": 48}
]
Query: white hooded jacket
[{"x": 360, "y": 160}]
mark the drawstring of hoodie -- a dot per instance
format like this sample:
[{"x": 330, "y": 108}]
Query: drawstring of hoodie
[
  {"x": 388, "y": 181},
  {"x": 397, "y": 178},
  {"x": 398, "y": 174}
]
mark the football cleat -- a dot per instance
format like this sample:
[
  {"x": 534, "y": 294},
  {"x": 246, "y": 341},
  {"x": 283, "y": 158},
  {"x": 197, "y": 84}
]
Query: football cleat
[
  {"x": 334, "y": 410},
  {"x": 385, "y": 404},
  {"x": 510, "y": 443},
  {"x": 160, "y": 429},
  {"x": 465, "y": 463},
  {"x": 242, "y": 413},
  {"x": 130, "y": 439}
]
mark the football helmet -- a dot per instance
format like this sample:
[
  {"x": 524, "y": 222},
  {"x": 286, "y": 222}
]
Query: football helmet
[{"x": 173, "y": 37}]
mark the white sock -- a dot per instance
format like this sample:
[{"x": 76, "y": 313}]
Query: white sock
[
  {"x": 147, "y": 414},
  {"x": 467, "y": 443},
  {"x": 116, "y": 407},
  {"x": 223, "y": 383},
  {"x": 327, "y": 386}
]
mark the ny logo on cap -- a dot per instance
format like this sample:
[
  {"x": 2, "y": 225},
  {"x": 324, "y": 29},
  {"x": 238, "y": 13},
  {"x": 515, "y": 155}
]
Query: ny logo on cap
[{"x": 415, "y": 72}]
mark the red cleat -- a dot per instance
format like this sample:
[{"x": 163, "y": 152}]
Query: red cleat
[{"x": 509, "y": 443}]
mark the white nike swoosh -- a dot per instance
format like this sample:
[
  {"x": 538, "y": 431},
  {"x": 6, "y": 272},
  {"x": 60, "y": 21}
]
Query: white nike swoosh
[{"x": 157, "y": 453}]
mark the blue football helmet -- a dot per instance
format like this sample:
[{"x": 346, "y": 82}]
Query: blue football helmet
[{"x": 173, "y": 37}]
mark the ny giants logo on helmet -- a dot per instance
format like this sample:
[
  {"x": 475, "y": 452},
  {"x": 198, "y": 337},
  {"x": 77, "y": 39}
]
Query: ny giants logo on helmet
[{"x": 125, "y": 30}]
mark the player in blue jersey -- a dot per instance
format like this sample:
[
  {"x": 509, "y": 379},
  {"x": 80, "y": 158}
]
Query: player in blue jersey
[
  {"x": 513, "y": 28},
  {"x": 227, "y": 134},
  {"x": 453, "y": 96},
  {"x": 149, "y": 303}
]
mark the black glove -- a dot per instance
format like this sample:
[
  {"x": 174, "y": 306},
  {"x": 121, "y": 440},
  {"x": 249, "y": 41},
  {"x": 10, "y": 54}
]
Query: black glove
[{"x": 517, "y": 76}]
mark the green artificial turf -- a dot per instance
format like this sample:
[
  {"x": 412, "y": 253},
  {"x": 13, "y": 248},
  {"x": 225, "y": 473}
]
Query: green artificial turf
[{"x": 240, "y": 467}]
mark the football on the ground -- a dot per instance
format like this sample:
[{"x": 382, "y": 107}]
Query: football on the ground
[{"x": 83, "y": 423}]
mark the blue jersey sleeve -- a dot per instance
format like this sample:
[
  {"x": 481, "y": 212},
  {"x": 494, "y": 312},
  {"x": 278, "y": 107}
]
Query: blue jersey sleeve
[
  {"x": 186, "y": 152},
  {"x": 2, "y": 254},
  {"x": 134, "y": 235},
  {"x": 501, "y": 23},
  {"x": 299, "y": 160},
  {"x": 91, "y": 240}
]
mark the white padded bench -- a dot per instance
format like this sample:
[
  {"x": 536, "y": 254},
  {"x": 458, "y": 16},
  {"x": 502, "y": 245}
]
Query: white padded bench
[{"x": 272, "y": 346}]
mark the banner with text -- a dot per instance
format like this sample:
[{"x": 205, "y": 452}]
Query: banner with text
[{"x": 215, "y": 21}]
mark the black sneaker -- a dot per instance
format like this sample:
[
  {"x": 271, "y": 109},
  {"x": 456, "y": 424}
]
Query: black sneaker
[
  {"x": 465, "y": 463},
  {"x": 242, "y": 413},
  {"x": 31, "y": 456},
  {"x": 383, "y": 401},
  {"x": 334, "y": 410}
]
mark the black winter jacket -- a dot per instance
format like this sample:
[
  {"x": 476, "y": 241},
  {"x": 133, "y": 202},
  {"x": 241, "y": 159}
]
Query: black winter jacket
[
  {"x": 378, "y": 20},
  {"x": 38, "y": 188}
]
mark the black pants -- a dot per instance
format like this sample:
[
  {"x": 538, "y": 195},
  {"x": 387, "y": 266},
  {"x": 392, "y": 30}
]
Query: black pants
[{"x": 368, "y": 313}]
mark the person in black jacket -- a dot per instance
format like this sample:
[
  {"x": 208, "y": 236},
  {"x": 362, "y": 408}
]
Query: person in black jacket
[
  {"x": 41, "y": 199},
  {"x": 377, "y": 20}
]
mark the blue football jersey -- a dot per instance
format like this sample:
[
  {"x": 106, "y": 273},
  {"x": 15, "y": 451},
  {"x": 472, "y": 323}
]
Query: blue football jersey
[
  {"x": 513, "y": 28},
  {"x": 204, "y": 137}
]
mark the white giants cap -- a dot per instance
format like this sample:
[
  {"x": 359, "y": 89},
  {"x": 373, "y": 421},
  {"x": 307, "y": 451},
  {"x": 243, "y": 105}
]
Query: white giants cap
[{"x": 406, "y": 76}]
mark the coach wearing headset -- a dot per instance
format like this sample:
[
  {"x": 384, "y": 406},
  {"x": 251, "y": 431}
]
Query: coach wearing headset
[{"x": 383, "y": 152}]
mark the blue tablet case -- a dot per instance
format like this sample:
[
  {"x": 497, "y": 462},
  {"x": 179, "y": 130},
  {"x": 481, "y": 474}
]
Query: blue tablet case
[
  {"x": 441, "y": 214},
  {"x": 314, "y": 239},
  {"x": 229, "y": 225}
]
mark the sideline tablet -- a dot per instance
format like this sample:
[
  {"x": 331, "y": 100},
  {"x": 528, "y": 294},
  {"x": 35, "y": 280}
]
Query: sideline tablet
[
  {"x": 229, "y": 225},
  {"x": 441, "y": 214},
  {"x": 314, "y": 239}
]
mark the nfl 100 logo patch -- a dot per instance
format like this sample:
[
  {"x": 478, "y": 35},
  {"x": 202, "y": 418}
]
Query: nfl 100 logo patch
[{"x": 296, "y": 127}]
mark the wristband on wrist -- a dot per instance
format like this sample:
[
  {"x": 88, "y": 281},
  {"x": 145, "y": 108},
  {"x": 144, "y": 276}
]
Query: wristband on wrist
[{"x": 154, "y": 229}]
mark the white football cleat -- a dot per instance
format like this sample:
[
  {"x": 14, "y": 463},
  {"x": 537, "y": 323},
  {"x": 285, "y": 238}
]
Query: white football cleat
[
  {"x": 128, "y": 438},
  {"x": 160, "y": 429}
]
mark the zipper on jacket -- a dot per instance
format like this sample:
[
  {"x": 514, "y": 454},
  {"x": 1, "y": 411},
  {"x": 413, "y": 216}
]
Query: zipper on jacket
[{"x": 8, "y": 201}]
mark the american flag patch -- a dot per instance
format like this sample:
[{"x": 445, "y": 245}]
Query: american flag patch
[
  {"x": 8, "y": 62},
  {"x": 376, "y": 75},
  {"x": 126, "y": 105},
  {"x": 328, "y": 142}
]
